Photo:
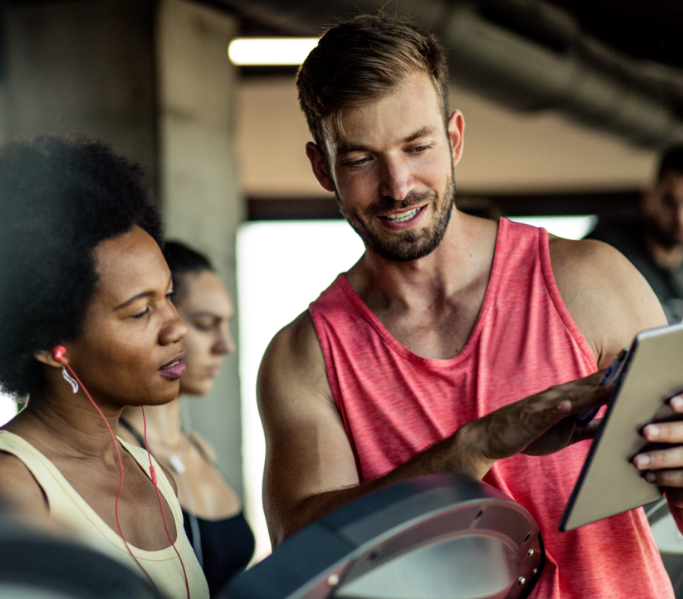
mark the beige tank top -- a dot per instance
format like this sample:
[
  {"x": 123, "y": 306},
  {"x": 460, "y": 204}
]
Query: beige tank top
[{"x": 67, "y": 506}]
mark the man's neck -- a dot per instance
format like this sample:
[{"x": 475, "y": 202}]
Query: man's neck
[
  {"x": 430, "y": 306},
  {"x": 465, "y": 252}
]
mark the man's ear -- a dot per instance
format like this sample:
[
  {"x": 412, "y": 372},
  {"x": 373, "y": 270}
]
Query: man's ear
[
  {"x": 46, "y": 357},
  {"x": 456, "y": 133},
  {"x": 319, "y": 166}
]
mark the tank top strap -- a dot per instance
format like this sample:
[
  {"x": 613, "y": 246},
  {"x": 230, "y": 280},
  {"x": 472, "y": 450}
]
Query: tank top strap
[
  {"x": 62, "y": 497},
  {"x": 133, "y": 431},
  {"x": 57, "y": 489}
]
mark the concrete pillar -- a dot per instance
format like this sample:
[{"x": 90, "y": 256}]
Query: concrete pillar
[
  {"x": 199, "y": 180},
  {"x": 151, "y": 77},
  {"x": 81, "y": 67}
]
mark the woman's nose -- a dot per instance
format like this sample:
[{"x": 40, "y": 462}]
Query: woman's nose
[
  {"x": 225, "y": 344},
  {"x": 174, "y": 329}
]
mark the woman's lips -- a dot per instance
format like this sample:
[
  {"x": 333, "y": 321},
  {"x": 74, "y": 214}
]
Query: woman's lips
[{"x": 175, "y": 368}]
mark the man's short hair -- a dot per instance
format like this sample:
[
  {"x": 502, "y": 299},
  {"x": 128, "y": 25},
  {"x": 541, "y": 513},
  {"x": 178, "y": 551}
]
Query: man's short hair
[
  {"x": 671, "y": 160},
  {"x": 360, "y": 61}
]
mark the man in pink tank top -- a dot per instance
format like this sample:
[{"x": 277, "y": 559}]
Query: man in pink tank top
[{"x": 455, "y": 344}]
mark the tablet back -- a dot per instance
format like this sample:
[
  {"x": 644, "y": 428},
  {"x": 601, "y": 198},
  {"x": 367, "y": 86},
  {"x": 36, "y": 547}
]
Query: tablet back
[{"x": 609, "y": 483}]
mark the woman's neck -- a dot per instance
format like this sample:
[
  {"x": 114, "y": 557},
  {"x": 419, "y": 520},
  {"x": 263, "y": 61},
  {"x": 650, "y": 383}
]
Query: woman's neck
[{"x": 67, "y": 425}]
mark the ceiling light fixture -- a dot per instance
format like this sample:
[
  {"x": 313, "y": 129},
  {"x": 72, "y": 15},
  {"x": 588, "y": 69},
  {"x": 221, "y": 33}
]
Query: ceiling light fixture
[{"x": 270, "y": 51}]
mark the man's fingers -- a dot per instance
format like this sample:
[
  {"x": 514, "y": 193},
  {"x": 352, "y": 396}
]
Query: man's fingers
[
  {"x": 659, "y": 459},
  {"x": 664, "y": 467},
  {"x": 539, "y": 424},
  {"x": 665, "y": 478},
  {"x": 587, "y": 431},
  {"x": 664, "y": 432},
  {"x": 579, "y": 395},
  {"x": 676, "y": 404}
]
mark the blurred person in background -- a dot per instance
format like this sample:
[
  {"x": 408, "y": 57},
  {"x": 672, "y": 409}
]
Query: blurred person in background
[
  {"x": 652, "y": 238},
  {"x": 214, "y": 521},
  {"x": 87, "y": 328}
]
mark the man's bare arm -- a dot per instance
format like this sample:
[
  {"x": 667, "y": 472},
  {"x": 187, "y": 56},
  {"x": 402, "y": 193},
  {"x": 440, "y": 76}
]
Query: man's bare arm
[
  {"x": 310, "y": 467},
  {"x": 307, "y": 452},
  {"x": 608, "y": 299},
  {"x": 611, "y": 303}
]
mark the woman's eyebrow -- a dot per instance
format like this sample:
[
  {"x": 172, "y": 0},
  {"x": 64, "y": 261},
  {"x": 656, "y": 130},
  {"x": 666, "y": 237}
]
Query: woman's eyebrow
[
  {"x": 149, "y": 293},
  {"x": 135, "y": 298}
]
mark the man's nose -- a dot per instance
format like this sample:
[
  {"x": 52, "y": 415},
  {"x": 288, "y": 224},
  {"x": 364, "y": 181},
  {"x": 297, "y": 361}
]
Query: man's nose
[{"x": 396, "y": 178}]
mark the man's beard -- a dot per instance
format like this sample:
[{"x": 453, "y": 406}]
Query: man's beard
[
  {"x": 659, "y": 235},
  {"x": 408, "y": 245}
]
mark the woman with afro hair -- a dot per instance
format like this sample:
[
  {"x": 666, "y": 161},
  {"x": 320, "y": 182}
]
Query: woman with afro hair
[{"x": 87, "y": 328}]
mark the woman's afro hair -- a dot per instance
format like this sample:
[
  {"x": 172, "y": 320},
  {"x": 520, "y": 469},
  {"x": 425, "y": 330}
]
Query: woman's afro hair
[{"x": 59, "y": 198}]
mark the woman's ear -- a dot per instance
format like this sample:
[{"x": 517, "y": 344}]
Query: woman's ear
[{"x": 48, "y": 357}]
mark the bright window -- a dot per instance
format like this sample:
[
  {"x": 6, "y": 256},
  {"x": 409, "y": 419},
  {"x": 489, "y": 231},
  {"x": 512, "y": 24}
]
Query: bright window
[{"x": 8, "y": 408}]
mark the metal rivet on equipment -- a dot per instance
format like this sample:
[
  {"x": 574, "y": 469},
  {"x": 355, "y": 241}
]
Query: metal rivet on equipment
[
  {"x": 333, "y": 580},
  {"x": 521, "y": 580},
  {"x": 531, "y": 552},
  {"x": 534, "y": 572}
]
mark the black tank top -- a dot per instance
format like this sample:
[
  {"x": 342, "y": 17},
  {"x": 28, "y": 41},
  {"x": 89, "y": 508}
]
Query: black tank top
[{"x": 227, "y": 545}]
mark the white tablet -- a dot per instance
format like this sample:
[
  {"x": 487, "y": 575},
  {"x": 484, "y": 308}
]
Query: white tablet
[{"x": 609, "y": 483}]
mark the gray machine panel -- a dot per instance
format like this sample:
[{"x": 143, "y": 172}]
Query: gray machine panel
[{"x": 432, "y": 537}]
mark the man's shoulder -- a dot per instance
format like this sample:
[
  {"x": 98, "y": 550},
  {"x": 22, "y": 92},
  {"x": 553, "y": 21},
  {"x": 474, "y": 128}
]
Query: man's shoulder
[
  {"x": 620, "y": 230},
  {"x": 294, "y": 349},
  {"x": 588, "y": 264},
  {"x": 332, "y": 295},
  {"x": 592, "y": 255},
  {"x": 295, "y": 336},
  {"x": 594, "y": 262},
  {"x": 608, "y": 299}
]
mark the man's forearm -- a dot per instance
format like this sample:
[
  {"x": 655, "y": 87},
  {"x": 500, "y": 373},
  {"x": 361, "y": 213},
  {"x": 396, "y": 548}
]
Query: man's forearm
[
  {"x": 471, "y": 450},
  {"x": 454, "y": 454}
]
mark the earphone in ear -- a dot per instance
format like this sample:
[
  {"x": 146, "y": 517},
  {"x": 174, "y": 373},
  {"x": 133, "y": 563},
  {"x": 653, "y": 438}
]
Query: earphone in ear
[
  {"x": 69, "y": 375},
  {"x": 58, "y": 352}
]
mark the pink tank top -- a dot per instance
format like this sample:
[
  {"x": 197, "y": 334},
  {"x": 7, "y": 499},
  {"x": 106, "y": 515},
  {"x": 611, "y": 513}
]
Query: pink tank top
[{"x": 395, "y": 403}]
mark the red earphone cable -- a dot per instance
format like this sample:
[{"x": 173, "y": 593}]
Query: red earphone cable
[
  {"x": 153, "y": 475},
  {"x": 118, "y": 456},
  {"x": 59, "y": 357}
]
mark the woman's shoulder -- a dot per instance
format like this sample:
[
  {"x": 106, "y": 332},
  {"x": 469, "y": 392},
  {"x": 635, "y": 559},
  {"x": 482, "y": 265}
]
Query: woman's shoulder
[{"x": 20, "y": 489}]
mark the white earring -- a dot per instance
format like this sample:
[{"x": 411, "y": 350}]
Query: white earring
[{"x": 69, "y": 379}]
